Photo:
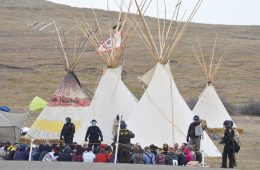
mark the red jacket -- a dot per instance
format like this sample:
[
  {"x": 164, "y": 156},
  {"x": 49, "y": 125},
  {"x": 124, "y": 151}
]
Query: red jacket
[{"x": 101, "y": 157}]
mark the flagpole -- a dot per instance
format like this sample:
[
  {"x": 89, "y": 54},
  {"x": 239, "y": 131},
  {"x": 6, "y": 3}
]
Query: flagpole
[{"x": 117, "y": 137}]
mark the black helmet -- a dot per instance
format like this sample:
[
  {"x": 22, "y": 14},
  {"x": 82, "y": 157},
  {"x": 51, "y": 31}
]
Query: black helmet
[
  {"x": 93, "y": 120},
  {"x": 68, "y": 119},
  {"x": 227, "y": 123},
  {"x": 123, "y": 125},
  {"x": 196, "y": 118}
]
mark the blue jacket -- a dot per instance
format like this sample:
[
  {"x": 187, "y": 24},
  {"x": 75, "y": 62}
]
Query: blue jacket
[{"x": 149, "y": 158}]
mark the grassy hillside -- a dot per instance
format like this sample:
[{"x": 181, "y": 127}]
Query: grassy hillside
[{"x": 30, "y": 63}]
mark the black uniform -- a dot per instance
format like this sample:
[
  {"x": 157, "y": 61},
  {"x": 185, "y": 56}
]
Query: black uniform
[
  {"x": 124, "y": 145},
  {"x": 67, "y": 133},
  {"x": 192, "y": 139},
  {"x": 228, "y": 148},
  {"x": 93, "y": 134}
]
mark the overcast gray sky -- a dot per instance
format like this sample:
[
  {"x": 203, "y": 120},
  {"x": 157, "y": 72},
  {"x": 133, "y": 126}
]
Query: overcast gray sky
[{"x": 232, "y": 12}]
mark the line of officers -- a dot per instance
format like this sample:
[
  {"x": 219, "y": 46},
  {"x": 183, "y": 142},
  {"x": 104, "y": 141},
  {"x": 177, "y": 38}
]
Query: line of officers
[{"x": 94, "y": 137}]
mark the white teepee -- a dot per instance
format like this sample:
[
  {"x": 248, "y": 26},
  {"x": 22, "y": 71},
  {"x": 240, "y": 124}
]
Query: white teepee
[
  {"x": 111, "y": 96},
  {"x": 209, "y": 106},
  {"x": 70, "y": 100},
  {"x": 162, "y": 115}
]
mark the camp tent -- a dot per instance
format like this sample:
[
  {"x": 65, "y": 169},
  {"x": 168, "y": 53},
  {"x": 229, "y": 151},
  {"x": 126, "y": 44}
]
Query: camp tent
[
  {"x": 111, "y": 96},
  {"x": 69, "y": 100},
  {"x": 209, "y": 106},
  {"x": 161, "y": 115},
  {"x": 11, "y": 125}
]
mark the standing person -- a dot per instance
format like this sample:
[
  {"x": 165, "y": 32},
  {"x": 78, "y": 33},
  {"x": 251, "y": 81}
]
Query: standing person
[
  {"x": 115, "y": 125},
  {"x": 195, "y": 133},
  {"x": 124, "y": 143},
  {"x": 93, "y": 134},
  {"x": 67, "y": 132},
  {"x": 228, "y": 150}
]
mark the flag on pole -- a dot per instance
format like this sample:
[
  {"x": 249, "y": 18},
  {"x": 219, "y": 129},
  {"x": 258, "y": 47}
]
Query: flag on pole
[{"x": 107, "y": 45}]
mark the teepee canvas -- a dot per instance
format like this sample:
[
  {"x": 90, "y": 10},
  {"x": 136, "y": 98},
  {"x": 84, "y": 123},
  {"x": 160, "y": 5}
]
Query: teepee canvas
[
  {"x": 162, "y": 115},
  {"x": 111, "y": 96},
  {"x": 209, "y": 106},
  {"x": 69, "y": 100}
]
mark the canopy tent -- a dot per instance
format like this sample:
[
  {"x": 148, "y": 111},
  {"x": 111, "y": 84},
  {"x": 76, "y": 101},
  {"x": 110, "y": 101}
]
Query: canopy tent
[
  {"x": 209, "y": 106},
  {"x": 69, "y": 100},
  {"x": 111, "y": 96},
  {"x": 11, "y": 125},
  {"x": 162, "y": 115}
]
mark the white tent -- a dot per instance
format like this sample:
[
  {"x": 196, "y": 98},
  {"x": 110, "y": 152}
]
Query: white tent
[
  {"x": 162, "y": 115},
  {"x": 11, "y": 125},
  {"x": 111, "y": 96},
  {"x": 209, "y": 106},
  {"x": 70, "y": 100}
]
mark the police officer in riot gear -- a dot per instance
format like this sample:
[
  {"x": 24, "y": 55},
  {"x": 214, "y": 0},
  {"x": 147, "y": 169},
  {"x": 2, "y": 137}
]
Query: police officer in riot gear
[
  {"x": 67, "y": 132},
  {"x": 124, "y": 143},
  {"x": 192, "y": 137},
  {"x": 228, "y": 150},
  {"x": 93, "y": 134}
]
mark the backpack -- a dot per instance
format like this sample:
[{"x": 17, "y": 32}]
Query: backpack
[
  {"x": 150, "y": 157},
  {"x": 204, "y": 124},
  {"x": 160, "y": 159},
  {"x": 199, "y": 130},
  {"x": 236, "y": 142}
]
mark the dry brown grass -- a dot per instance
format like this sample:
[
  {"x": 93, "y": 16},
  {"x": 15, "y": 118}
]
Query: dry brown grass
[
  {"x": 246, "y": 158},
  {"x": 30, "y": 64}
]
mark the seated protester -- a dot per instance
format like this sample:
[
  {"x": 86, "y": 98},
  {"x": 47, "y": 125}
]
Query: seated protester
[
  {"x": 112, "y": 157},
  {"x": 183, "y": 146},
  {"x": 77, "y": 154},
  {"x": 101, "y": 156},
  {"x": 137, "y": 157},
  {"x": 192, "y": 152},
  {"x": 40, "y": 149},
  {"x": 109, "y": 152},
  {"x": 11, "y": 149},
  {"x": 181, "y": 158},
  {"x": 165, "y": 148},
  {"x": 160, "y": 158},
  {"x": 149, "y": 157},
  {"x": 188, "y": 155},
  {"x": 171, "y": 155},
  {"x": 51, "y": 156},
  {"x": 21, "y": 153},
  {"x": 65, "y": 156},
  {"x": 88, "y": 155},
  {"x": 34, "y": 152},
  {"x": 46, "y": 150},
  {"x": 176, "y": 147},
  {"x": 153, "y": 149}
]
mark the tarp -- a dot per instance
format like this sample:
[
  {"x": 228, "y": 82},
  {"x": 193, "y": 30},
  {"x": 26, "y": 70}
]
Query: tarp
[
  {"x": 37, "y": 104},
  {"x": 10, "y": 125}
]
